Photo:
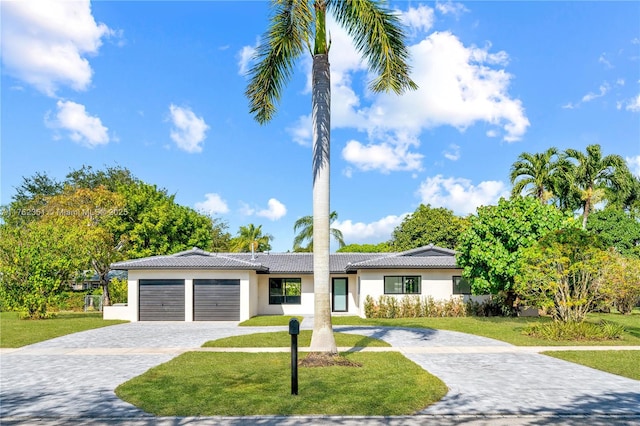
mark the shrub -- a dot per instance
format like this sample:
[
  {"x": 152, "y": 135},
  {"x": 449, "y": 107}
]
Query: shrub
[
  {"x": 561, "y": 330},
  {"x": 412, "y": 307},
  {"x": 118, "y": 290}
]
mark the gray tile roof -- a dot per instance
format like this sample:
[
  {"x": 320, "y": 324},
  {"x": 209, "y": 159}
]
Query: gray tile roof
[{"x": 427, "y": 257}]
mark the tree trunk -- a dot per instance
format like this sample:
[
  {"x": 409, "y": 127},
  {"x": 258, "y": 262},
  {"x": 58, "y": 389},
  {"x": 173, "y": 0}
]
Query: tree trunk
[
  {"x": 322, "y": 339},
  {"x": 587, "y": 208}
]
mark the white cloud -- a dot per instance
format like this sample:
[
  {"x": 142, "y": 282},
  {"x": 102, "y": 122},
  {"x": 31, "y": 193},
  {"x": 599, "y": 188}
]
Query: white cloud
[
  {"x": 603, "y": 90},
  {"x": 45, "y": 43},
  {"x": 245, "y": 57},
  {"x": 83, "y": 128},
  {"x": 385, "y": 157},
  {"x": 459, "y": 194},
  {"x": 603, "y": 60},
  {"x": 634, "y": 164},
  {"x": 275, "y": 210},
  {"x": 301, "y": 131},
  {"x": 189, "y": 130},
  {"x": 457, "y": 87},
  {"x": 453, "y": 153},
  {"x": 418, "y": 18},
  {"x": 450, "y": 7},
  {"x": 212, "y": 204},
  {"x": 633, "y": 104},
  {"x": 374, "y": 232}
]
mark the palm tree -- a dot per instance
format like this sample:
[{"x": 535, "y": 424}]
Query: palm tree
[
  {"x": 251, "y": 239},
  {"x": 535, "y": 172},
  {"x": 593, "y": 175},
  {"x": 379, "y": 36},
  {"x": 305, "y": 225}
]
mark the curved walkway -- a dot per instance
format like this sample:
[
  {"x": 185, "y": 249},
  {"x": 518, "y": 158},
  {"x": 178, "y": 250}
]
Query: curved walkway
[{"x": 69, "y": 380}]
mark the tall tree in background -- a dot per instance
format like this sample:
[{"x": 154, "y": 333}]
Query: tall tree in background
[
  {"x": 251, "y": 239},
  {"x": 592, "y": 175},
  {"x": 428, "y": 225},
  {"x": 304, "y": 229},
  {"x": 379, "y": 36},
  {"x": 534, "y": 172},
  {"x": 490, "y": 249}
]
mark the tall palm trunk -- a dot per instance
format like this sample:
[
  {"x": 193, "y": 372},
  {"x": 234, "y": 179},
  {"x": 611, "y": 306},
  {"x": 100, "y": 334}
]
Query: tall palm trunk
[{"x": 322, "y": 339}]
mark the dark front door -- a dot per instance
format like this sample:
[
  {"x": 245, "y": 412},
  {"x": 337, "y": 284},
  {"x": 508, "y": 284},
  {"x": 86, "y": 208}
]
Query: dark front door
[{"x": 339, "y": 291}]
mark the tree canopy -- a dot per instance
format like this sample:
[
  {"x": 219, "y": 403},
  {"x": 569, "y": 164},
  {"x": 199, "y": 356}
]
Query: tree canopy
[
  {"x": 428, "y": 225},
  {"x": 90, "y": 220},
  {"x": 490, "y": 249}
]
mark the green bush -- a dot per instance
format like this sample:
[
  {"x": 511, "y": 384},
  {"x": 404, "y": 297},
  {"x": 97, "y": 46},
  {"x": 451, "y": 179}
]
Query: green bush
[
  {"x": 560, "y": 330},
  {"x": 69, "y": 301},
  {"x": 118, "y": 290},
  {"x": 413, "y": 307}
]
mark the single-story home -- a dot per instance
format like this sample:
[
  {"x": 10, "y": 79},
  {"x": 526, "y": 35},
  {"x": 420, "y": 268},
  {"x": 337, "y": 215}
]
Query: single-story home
[{"x": 196, "y": 285}]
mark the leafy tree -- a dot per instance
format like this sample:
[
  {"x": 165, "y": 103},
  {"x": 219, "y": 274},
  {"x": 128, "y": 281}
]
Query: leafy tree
[
  {"x": 592, "y": 176},
  {"x": 365, "y": 248},
  {"x": 379, "y": 36},
  {"x": 37, "y": 262},
  {"x": 563, "y": 273},
  {"x": 490, "y": 249},
  {"x": 304, "y": 228},
  {"x": 220, "y": 237},
  {"x": 621, "y": 282},
  {"x": 616, "y": 229},
  {"x": 39, "y": 184},
  {"x": 95, "y": 214},
  {"x": 428, "y": 225},
  {"x": 536, "y": 173},
  {"x": 626, "y": 201},
  {"x": 154, "y": 224},
  {"x": 111, "y": 178},
  {"x": 251, "y": 239}
]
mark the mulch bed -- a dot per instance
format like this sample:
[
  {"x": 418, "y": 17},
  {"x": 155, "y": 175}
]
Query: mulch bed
[{"x": 323, "y": 359}]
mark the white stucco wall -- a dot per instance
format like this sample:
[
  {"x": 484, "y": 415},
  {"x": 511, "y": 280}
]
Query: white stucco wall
[
  {"x": 306, "y": 305},
  {"x": 437, "y": 283}
]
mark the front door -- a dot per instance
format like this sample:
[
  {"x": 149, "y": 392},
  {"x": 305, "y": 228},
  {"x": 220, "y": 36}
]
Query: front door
[{"x": 339, "y": 290}]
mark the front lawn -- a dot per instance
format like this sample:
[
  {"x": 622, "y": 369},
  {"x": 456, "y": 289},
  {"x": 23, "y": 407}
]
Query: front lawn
[
  {"x": 15, "y": 332},
  {"x": 623, "y": 363},
  {"x": 506, "y": 329},
  {"x": 240, "y": 384},
  {"x": 268, "y": 320},
  {"x": 281, "y": 339}
]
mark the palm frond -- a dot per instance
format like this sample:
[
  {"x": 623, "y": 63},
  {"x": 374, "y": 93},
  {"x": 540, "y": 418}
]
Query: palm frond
[
  {"x": 280, "y": 46},
  {"x": 379, "y": 35}
]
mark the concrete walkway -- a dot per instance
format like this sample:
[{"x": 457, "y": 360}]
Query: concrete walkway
[{"x": 70, "y": 380}]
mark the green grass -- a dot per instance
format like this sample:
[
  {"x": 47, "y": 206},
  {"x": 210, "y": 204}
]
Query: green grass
[
  {"x": 233, "y": 384},
  {"x": 15, "y": 332},
  {"x": 268, "y": 320},
  {"x": 623, "y": 363},
  {"x": 283, "y": 339},
  {"x": 507, "y": 329}
]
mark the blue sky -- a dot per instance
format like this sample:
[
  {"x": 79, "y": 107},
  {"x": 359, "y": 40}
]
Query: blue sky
[{"x": 158, "y": 87}]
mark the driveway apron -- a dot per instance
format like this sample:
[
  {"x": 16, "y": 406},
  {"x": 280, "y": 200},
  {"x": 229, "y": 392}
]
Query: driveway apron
[{"x": 75, "y": 376}]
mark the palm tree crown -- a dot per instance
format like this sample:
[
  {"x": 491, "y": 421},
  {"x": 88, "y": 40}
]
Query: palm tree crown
[
  {"x": 251, "y": 239},
  {"x": 591, "y": 175},
  {"x": 535, "y": 172},
  {"x": 305, "y": 234}
]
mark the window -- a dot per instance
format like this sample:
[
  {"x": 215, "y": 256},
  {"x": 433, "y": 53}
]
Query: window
[
  {"x": 402, "y": 285},
  {"x": 285, "y": 291},
  {"x": 461, "y": 286}
]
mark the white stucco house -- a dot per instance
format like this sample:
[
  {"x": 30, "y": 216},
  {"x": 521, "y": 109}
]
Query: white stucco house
[{"x": 196, "y": 285}]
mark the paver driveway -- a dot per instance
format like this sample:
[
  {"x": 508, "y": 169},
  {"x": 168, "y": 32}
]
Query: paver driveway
[{"x": 74, "y": 376}]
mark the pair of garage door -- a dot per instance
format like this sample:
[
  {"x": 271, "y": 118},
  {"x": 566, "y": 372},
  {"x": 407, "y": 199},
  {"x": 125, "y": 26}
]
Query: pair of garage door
[{"x": 213, "y": 300}]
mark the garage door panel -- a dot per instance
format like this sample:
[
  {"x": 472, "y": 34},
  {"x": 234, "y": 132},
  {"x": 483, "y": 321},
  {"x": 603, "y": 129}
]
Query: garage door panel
[
  {"x": 216, "y": 300},
  {"x": 161, "y": 300}
]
